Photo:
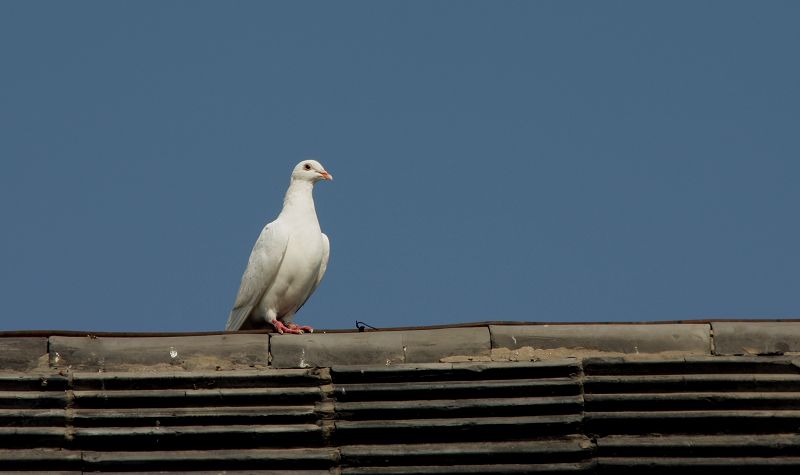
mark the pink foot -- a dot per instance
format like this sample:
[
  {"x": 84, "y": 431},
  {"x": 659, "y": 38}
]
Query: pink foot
[
  {"x": 291, "y": 328},
  {"x": 302, "y": 328}
]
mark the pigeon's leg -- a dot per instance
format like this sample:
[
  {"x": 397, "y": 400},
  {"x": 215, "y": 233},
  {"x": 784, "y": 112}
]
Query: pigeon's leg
[
  {"x": 302, "y": 328},
  {"x": 281, "y": 328}
]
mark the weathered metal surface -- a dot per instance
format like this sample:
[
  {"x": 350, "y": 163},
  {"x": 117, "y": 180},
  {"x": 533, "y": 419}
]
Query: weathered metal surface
[
  {"x": 218, "y": 472},
  {"x": 684, "y": 445},
  {"x": 22, "y": 353},
  {"x": 673, "y": 412},
  {"x": 33, "y": 381},
  {"x": 40, "y": 459},
  {"x": 432, "y": 345},
  {"x": 456, "y": 429},
  {"x": 130, "y": 354},
  {"x": 32, "y": 399},
  {"x": 279, "y": 460},
  {"x": 693, "y": 401},
  {"x": 179, "y": 471},
  {"x": 366, "y": 410},
  {"x": 569, "y": 454},
  {"x": 316, "y": 349},
  {"x": 193, "y": 416},
  {"x": 163, "y": 437},
  {"x": 264, "y": 459},
  {"x": 539, "y": 469},
  {"x": 695, "y": 415},
  {"x": 698, "y": 465},
  {"x": 108, "y": 380},
  {"x": 32, "y": 437},
  {"x": 473, "y": 418},
  {"x": 692, "y": 382},
  {"x": 631, "y": 339},
  {"x": 750, "y": 338},
  {"x": 377, "y": 348},
  {"x": 32, "y": 417},
  {"x": 196, "y": 397},
  {"x": 507, "y": 452},
  {"x": 451, "y": 389},
  {"x": 666, "y": 422},
  {"x": 484, "y": 371},
  {"x": 174, "y": 420},
  {"x": 632, "y": 365}
]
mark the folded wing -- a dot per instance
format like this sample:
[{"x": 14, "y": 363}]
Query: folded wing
[{"x": 262, "y": 268}]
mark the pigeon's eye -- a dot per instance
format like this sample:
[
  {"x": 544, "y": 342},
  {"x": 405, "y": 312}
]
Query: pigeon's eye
[{"x": 307, "y": 167}]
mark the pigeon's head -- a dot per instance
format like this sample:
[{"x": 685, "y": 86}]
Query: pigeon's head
[{"x": 310, "y": 170}]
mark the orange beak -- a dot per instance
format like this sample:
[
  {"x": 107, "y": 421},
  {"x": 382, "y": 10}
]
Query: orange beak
[{"x": 326, "y": 176}]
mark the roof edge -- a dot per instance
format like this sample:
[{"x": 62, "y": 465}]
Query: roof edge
[{"x": 487, "y": 323}]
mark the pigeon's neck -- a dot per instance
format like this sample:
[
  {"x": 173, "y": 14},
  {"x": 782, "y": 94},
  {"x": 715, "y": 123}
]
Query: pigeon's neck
[{"x": 299, "y": 200}]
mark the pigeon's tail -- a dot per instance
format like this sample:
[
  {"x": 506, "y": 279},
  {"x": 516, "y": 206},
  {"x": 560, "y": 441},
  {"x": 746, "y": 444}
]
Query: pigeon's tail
[{"x": 237, "y": 317}]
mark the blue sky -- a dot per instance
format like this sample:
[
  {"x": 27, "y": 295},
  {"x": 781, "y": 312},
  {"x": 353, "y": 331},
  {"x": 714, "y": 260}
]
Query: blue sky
[{"x": 533, "y": 161}]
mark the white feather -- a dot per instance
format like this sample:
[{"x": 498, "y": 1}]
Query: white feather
[{"x": 288, "y": 260}]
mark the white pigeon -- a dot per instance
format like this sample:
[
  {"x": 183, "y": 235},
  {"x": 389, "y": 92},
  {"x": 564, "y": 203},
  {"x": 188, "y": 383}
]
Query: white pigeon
[{"x": 287, "y": 262}]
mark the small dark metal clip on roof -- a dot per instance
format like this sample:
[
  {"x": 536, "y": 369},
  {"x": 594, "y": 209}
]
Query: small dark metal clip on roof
[{"x": 362, "y": 326}]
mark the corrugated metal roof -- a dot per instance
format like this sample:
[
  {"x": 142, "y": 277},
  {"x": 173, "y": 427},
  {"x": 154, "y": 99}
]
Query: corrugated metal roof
[
  {"x": 461, "y": 418},
  {"x": 736, "y": 414},
  {"x": 602, "y": 415},
  {"x": 696, "y": 412},
  {"x": 165, "y": 421}
]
